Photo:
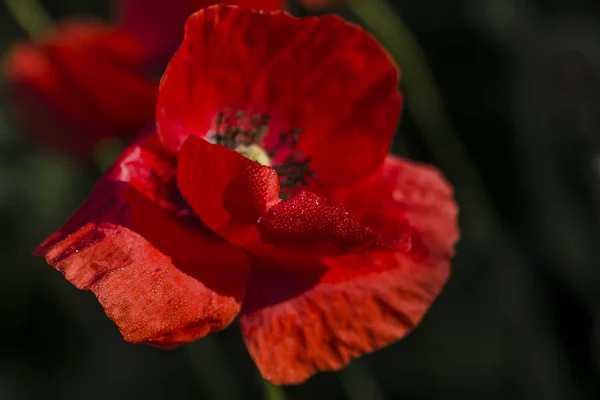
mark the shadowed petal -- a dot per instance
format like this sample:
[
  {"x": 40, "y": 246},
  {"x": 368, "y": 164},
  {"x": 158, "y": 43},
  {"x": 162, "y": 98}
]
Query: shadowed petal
[{"x": 296, "y": 324}]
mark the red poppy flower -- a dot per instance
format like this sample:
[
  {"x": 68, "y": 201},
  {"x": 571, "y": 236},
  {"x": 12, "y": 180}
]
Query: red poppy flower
[
  {"x": 81, "y": 84},
  {"x": 88, "y": 80},
  {"x": 267, "y": 194}
]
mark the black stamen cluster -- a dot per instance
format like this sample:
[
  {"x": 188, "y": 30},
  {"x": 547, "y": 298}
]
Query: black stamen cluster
[
  {"x": 229, "y": 131},
  {"x": 293, "y": 171}
]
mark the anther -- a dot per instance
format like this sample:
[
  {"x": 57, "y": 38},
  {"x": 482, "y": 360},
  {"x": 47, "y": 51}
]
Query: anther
[{"x": 244, "y": 134}]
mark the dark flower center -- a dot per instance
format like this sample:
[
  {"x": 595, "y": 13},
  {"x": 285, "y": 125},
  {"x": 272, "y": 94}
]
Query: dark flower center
[{"x": 245, "y": 134}]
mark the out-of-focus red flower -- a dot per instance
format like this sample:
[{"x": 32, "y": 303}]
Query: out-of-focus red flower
[
  {"x": 321, "y": 4},
  {"x": 158, "y": 24},
  {"x": 88, "y": 80},
  {"x": 267, "y": 193},
  {"x": 80, "y": 84}
]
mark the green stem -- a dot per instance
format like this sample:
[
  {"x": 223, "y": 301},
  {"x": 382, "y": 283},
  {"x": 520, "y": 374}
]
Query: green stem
[
  {"x": 359, "y": 383},
  {"x": 107, "y": 151},
  {"x": 273, "y": 392},
  {"x": 215, "y": 376},
  {"x": 30, "y": 16}
]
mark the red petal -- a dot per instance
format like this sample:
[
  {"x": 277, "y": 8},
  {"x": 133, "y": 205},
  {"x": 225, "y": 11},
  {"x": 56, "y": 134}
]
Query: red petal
[
  {"x": 265, "y": 63},
  {"x": 310, "y": 223},
  {"x": 81, "y": 84},
  {"x": 296, "y": 324},
  {"x": 160, "y": 275},
  {"x": 404, "y": 191},
  {"x": 142, "y": 17},
  {"x": 300, "y": 321},
  {"x": 239, "y": 200},
  {"x": 156, "y": 24},
  {"x": 265, "y": 5},
  {"x": 316, "y": 5}
]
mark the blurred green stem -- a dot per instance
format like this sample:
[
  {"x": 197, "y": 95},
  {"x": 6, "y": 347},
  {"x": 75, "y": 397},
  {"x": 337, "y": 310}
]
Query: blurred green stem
[
  {"x": 216, "y": 378},
  {"x": 273, "y": 392},
  {"x": 359, "y": 383},
  {"x": 426, "y": 104},
  {"x": 107, "y": 151},
  {"x": 30, "y": 16}
]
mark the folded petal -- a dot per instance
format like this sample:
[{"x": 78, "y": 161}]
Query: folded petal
[
  {"x": 298, "y": 321},
  {"x": 238, "y": 199},
  {"x": 158, "y": 24},
  {"x": 266, "y": 63},
  {"x": 160, "y": 275},
  {"x": 80, "y": 84}
]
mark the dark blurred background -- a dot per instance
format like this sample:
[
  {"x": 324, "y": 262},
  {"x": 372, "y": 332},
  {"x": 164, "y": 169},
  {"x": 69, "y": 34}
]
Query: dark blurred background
[{"x": 512, "y": 117}]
